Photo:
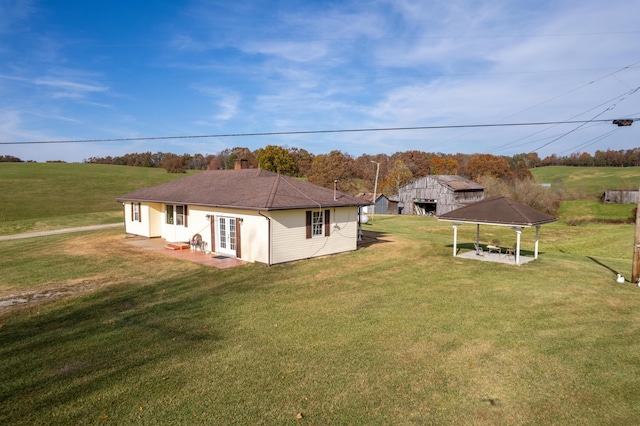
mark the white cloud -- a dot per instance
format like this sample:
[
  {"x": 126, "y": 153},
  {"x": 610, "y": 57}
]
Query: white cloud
[{"x": 227, "y": 104}]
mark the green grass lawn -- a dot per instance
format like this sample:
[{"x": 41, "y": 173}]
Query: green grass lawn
[
  {"x": 399, "y": 332},
  {"x": 41, "y": 196},
  {"x": 589, "y": 181}
]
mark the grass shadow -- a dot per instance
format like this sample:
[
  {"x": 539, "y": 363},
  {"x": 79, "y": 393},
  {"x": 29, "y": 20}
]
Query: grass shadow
[
  {"x": 615, "y": 272},
  {"x": 370, "y": 238}
]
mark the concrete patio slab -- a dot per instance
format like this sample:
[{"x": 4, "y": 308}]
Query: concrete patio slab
[
  {"x": 159, "y": 245},
  {"x": 494, "y": 257}
]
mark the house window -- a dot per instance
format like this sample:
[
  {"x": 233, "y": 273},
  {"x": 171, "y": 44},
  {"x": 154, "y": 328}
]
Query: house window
[
  {"x": 176, "y": 215},
  {"x": 135, "y": 212},
  {"x": 318, "y": 223},
  {"x": 169, "y": 214},
  {"x": 180, "y": 215}
]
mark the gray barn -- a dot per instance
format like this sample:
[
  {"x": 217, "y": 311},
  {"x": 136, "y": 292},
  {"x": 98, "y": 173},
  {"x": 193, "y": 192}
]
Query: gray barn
[
  {"x": 438, "y": 194},
  {"x": 620, "y": 196}
]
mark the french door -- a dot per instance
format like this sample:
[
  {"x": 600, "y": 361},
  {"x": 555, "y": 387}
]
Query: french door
[{"x": 226, "y": 235}]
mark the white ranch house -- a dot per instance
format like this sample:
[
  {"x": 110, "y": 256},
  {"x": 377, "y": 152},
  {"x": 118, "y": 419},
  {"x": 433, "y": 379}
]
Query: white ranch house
[{"x": 250, "y": 214}]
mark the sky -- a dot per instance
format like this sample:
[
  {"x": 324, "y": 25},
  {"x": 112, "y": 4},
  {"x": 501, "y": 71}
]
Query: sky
[{"x": 81, "y": 70}]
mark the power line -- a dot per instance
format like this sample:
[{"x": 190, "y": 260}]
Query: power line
[{"x": 311, "y": 132}]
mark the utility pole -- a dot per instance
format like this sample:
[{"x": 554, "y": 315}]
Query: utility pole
[
  {"x": 635, "y": 268},
  {"x": 375, "y": 189}
]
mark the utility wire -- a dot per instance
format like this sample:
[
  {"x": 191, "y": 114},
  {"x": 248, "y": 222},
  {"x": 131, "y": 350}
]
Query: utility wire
[
  {"x": 310, "y": 132},
  {"x": 590, "y": 121},
  {"x": 591, "y": 141},
  {"x": 618, "y": 99},
  {"x": 557, "y": 97}
]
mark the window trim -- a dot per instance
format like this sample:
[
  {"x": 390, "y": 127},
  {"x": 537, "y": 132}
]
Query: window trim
[
  {"x": 136, "y": 212},
  {"x": 172, "y": 215},
  {"x": 323, "y": 223}
]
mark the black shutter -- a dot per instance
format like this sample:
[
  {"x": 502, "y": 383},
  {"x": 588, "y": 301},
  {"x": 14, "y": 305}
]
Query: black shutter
[
  {"x": 212, "y": 222},
  {"x": 238, "y": 251},
  {"x": 327, "y": 223},
  {"x": 308, "y": 224}
]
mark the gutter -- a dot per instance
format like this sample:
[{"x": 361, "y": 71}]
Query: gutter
[{"x": 268, "y": 237}]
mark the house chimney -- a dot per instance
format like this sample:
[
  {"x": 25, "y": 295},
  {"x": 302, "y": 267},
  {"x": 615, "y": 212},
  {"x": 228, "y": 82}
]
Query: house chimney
[{"x": 241, "y": 164}]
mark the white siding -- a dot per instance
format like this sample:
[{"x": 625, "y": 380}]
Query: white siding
[
  {"x": 289, "y": 240},
  {"x": 287, "y": 230},
  {"x": 153, "y": 214},
  {"x": 148, "y": 226},
  {"x": 253, "y": 230}
]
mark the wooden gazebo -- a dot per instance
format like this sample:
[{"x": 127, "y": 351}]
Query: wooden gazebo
[{"x": 498, "y": 211}]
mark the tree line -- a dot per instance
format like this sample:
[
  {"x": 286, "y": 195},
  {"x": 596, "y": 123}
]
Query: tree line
[
  {"x": 353, "y": 174},
  {"x": 358, "y": 174}
]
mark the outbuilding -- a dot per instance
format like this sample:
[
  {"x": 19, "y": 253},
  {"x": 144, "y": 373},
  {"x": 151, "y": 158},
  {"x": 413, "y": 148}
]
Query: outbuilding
[
  {"x": 383, "y": 204},
  {"x": 438, "y": 194},
  {"x": 620, "y": 196},
  {"x": 498, "y": 211},
  {"x": 249, "y": 214}
]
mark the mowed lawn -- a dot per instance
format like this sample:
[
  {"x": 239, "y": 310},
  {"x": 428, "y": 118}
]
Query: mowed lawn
[
  {"x": 399, "y": 332},
  {"x": 588, "y": 181},
  {"x": 43, "y": 196}
]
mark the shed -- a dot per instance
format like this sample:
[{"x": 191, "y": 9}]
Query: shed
[
  {"x": 498, "y": 211},
  {"x": 620, "y": 196},
  {"x": 438, "y": 194},
  {"x": 383, "y": 204}
]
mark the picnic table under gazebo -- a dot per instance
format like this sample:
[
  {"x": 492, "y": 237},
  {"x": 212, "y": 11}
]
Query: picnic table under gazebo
[{"x": 498, "y": 211}]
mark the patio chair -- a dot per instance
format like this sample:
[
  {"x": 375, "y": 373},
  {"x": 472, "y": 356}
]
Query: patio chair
[{"x": 510, "y": 251}]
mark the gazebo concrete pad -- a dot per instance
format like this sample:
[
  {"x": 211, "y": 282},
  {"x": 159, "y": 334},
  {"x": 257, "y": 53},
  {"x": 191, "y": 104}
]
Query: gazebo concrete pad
[{"x": 494, "y": 257}]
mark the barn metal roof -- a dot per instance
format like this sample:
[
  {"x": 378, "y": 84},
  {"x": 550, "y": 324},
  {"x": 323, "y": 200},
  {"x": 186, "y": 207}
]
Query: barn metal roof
[
  {"x": 457, "y": 183},
  {"x": 252, "y": 189},
  {"x": 498, "y": 211}
]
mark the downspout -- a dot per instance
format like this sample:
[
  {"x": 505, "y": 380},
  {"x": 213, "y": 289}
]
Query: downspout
[
  {"x": 124, "y": 216},
  {"x": 268, "y": 237}
]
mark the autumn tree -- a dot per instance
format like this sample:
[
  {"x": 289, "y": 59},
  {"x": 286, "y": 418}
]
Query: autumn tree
[
  {"x": 398, "y": 175},
  {"x": 173, "y": 163},
  {"x": 487, "y": 165},
  {"x": 327, "y": 168},
  {"x": 302, "y": 159},
  {"x": 418, "y": 162},
  {"x": 444, "y": 165},
  {"x": 276, "y": 159}
]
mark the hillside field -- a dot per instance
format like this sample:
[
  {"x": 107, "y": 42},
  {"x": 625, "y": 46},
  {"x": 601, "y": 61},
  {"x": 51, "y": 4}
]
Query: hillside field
[
  {"x": 588, "y": 182},
  {"x": 399, "y": 332}
]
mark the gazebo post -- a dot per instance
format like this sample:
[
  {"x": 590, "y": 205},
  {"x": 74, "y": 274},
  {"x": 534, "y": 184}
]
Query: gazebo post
[
  {"x": 455, "y": 239},
  {"x": 477, "y": 238},
  {"x": 518, "y": 234},
  {"x": 535, "y": 251}
]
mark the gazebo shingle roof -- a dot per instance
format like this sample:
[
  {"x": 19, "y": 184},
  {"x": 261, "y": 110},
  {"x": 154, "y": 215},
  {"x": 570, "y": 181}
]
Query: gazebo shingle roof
[
  {"x": 252, "y": 189},
  {"x": 498, "y": 211}
]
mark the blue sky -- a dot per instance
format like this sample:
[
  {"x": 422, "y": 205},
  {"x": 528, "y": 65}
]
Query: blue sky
[{"x": 76, "y": 70}]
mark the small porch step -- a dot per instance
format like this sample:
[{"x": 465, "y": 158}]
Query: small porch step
[{"x": 177, "y": 246}]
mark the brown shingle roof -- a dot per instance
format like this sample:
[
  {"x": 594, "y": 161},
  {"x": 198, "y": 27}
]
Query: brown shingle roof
[
  {"x": 252, "y": 189},
  {"x": 498, "y": 211}
]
